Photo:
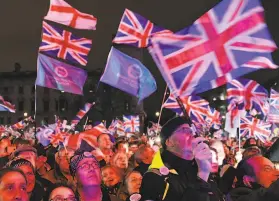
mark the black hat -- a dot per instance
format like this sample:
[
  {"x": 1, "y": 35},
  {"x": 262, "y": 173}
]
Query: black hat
[{"x": 171, "y": 126}]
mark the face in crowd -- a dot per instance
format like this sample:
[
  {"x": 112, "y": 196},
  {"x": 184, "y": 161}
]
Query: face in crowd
[
  {"x": 62, "y": 193},
  {"x": 63, "y": 159},
  {"x": 30, "y": 176},
  {"x": 88, "y": 172},
  {"x": 120, "y": 160},
  {"x": 133, "y": 182},
  {"x": 264, "y": 170},
  {"x": 218, "y": 146},
  {"x": 12, "y": 186},
  {"x": 30, "y": 156},
  {"x": 214, "y": 164},
  {"x": 110, "y": 176},
  {"x": 5, "y": 143},
  {"x": 104, "y": 142},
  {"x": 180, "y": 142}
]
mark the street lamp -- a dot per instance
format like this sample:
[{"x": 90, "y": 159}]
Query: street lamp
[
  {"x": 25, "y": 114},
  {"x": 157, "y": 114}
]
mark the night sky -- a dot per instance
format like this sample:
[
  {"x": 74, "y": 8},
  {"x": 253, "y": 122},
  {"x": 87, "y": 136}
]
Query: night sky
[{"x": 21, "y": 22}]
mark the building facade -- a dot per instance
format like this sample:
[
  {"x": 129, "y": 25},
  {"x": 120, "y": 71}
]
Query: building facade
[{"x": 18, "y": 87}]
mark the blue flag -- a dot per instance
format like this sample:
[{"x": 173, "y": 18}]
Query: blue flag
[
  {"x": 55, "y": 74},
  {"x": 128, "y": 74}
]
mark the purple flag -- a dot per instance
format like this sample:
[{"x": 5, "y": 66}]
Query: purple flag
[{"x": 55, "y": 74}]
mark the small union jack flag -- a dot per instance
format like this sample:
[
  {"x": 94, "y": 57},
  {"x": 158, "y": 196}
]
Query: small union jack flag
[
  {"x": 213, "y": 118},
  {"x": 131, "y": 124},
  {"x": 6, "y": 106},
  {"x": 227, "y": 42},
  {"x": 248, "y": 95},
  {"x": 22, "y": 124},
  {"x": 135, "y": 30},
  {"x": 64, "y": 45},
  {"x": 101, "y": 127},
  {"x": 57, "y": 138},
  {"x": 81, "y": 113},
  {"x": 195, "y": 106},
  {"x": 273, "y": 114},
  {"x": 252, "y": 127}
]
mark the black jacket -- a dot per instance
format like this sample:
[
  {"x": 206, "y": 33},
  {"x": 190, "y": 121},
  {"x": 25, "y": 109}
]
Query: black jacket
[
  {"x": 183, "y": 186},
  {"x": 259, "y": 194}
]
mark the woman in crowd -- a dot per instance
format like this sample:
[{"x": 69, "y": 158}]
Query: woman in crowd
[
  {"x": 112, "y": 182},
  {"x": 85, "y": 169},
  {"x": 34, "y": 189},
  {"x": 13, "y": 185},
  {"x": 61, "y": 192}
]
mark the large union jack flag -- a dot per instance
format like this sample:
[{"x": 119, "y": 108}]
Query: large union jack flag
[
  {"x": 195, "y": 106},
  {"x": 135, "y": 30},
  {"x": 252, "y": 127},
  {"x": 228, "y": 41},
  {"x": 131, "y": 124},
  {"x": 64, "y": 45},
  {"x": 83, "y": 111},
  {"x": 247, "y": 94},
  {"x": 273, "y": 114}
]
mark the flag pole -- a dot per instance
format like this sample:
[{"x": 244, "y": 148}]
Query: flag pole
[
  {"x": 85, "y": 123},
  {"x": 161, "y": 109},
  {"x": 35, "y": 115}
]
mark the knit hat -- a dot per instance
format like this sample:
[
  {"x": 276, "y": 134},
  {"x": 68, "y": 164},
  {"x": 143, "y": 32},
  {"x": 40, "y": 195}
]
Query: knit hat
[
  {"x": 169, "y": 127},
  {"x": 16, "y": 163},
  {"x": 79, "y": 155}
]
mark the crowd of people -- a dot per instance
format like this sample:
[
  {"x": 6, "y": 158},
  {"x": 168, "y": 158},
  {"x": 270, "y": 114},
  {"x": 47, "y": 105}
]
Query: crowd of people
[{"x": 182, "y": 166}]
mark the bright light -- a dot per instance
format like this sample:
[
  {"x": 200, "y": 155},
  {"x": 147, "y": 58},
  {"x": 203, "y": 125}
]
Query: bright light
[
  {"x": 214, "y": 99},
  {"x": 222, "y": 97},
  {"x": 158, "y": 139},
  {"x": 90, "y": 91},
  {"x": 157, "y": 114},
  {"x": 223, "y": 117},
  {"x": 25, "y": 114},
  {"x": 62, "y": 91}
]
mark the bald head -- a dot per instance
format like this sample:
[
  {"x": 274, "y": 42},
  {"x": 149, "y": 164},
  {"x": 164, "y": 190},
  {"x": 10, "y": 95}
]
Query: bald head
[{"x": 263, "y": 170}]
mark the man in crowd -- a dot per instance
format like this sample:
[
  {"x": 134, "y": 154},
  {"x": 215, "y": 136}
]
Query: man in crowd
[
  {"x": 260, "y": 179},
  {"x": 182, "y": 170}
]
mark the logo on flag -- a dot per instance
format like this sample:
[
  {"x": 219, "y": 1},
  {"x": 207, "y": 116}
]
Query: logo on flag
[
  {"x": 67, "y": 78},
  {"x": 128, "y": 74}
]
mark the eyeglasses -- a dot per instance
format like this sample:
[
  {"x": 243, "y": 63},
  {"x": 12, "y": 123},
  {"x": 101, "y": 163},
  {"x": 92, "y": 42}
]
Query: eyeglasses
[
  {"x": 86, "y": 166},
  {"x": 59, "y": 198}
]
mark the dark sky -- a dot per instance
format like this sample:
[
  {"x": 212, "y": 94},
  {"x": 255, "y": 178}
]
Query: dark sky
[{"x": 21, "y": 22}]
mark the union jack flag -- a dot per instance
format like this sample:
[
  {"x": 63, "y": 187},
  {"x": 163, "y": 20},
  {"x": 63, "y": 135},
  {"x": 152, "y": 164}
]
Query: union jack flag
[
  {"x": 195, "y": 106},
  {"x": 248, "y": 95},
  {"x": 135, "y": 30},
  {"x": 83, "y": 111},
  {"x": 57, "y": 138},
  {"x": 213, "y": 118},
  {"x": 228, "y": 41},
  {"x": 101, "y": 128},
  {"x": 22, "y": 124},
  {"x": 252, "y": 127},
  {"x": 273, "y": 114},
  {"x": 6, "y": 106},
  {"x": 64, "y": 45},
  {"x": 131, "y": 124},
  {"x": 156, "y": 127}
]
